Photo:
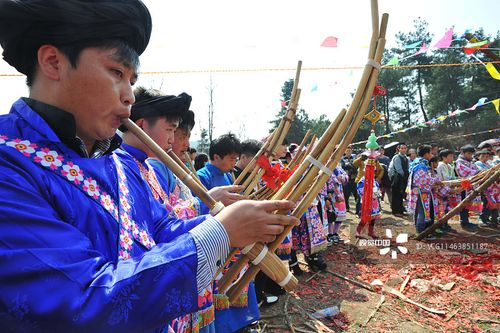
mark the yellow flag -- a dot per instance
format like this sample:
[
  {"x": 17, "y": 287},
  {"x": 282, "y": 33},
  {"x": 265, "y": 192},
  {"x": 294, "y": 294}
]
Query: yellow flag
[
  {"x": 441, "y": 118},
  {"x": 496, "y": 103},
  {"x": 493, "y": 71}
]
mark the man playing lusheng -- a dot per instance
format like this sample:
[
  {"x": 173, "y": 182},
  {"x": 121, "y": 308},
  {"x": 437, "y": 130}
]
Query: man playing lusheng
[{"x": 85, "y": 247}]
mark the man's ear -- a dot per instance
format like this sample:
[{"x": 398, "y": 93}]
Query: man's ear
[
  {"x": 217, "y": 157},
  {"x": 140, "y": 122},
  {"x": 51, "y": 61}
]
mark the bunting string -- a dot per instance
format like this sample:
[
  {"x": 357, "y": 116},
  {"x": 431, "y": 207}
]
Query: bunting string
[
  {"x": 436, "y": 120},
  {"x": 239, "y": 70}
]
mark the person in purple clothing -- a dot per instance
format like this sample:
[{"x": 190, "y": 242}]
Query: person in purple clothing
[{"x": 85, "y": 247}]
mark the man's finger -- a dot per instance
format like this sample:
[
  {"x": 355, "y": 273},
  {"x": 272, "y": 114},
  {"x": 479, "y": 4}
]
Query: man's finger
[
  {"x": 274, "y": 229},
  {"x": 278, "y": 219},
  {"x": 235, "y": 196},
  {"x": 272, "y": 205},
  {"x": 233, "y": 188},
  {"x": 267, "y": 238}
]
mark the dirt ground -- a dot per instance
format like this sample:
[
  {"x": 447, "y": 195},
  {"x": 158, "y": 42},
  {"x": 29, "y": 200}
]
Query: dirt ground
[{"x": 449, "y": 284}]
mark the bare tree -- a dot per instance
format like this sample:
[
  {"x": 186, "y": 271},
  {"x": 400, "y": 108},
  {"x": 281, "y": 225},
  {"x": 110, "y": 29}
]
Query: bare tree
[{"x": 211, "y": 89}]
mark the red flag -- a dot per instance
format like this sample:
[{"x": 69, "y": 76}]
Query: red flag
[{"x": 470, "y": 50}]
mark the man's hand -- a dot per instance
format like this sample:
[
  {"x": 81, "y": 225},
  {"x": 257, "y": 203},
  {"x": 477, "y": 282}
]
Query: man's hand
[
  {"x": 227, "y": 194},
  {"x": 249, "y": 221}
]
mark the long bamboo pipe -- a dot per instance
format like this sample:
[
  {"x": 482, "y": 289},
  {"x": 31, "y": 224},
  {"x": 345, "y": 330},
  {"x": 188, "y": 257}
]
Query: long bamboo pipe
[
  {"x": 378, "y": 47},
  {"x": 177, "y": 169}
]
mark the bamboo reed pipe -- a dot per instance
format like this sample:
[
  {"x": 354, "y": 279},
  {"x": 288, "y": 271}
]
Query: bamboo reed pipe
[
  {"x": 233, "y": 272},
  {"x": 298, "y": 151},
  {"x": 250, "y": 177},
  {"x": 253, "y": 161},
  {"x": 192, "y": 174},
  {"x": 291, "y": 106},
  {"x": 190, "y": 162},
  {"x": 373, "y": 75},
  {"x": 250, "y": 183},
  {"x": 199, "y": 191},
  {"x": 295, "y": 177},
  {"x": 271, "y": 141}
]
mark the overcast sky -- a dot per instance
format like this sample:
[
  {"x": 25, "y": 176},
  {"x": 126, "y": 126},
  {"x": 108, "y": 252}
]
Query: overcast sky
[{"x": 254, "y": 41}]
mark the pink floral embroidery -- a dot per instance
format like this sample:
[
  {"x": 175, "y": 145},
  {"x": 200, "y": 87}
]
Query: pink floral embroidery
[
  {"x": 2, "y": 139},
  {"x": 107, "y": 202},
  {"x": 125, "y": 240},
  {"x": 121, "y": 174},
  {"x": 135, "y": 230},
  {"x": 24, "y": 146},
  {"x": 49, "y": 158},
  {"x": 91, "y": 187},
  {"x": 72, "y": 172},
  {"x": 126, "y": 223},
  {"x": 144, "y": 238},
  {"x": 124, "y": 203},
  {"x": 124, "y": 255},
  {"x": 123, "y": 189}
]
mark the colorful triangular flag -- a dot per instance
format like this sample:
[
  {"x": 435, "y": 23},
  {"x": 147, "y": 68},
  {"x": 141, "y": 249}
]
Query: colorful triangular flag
[
  {"x": 412, "y": 46},
  {"x": 330, "y": 41},
  {"x": 481, "y": 101},
  {"x": 445, "y": 41},
  {"x": 493, "y": 71},
  {"x": 496, "y": 103},
  {"x": 393, "y": 62},
  {"x": 470, "y": 50},
  {"x": 423, "y": 49}
]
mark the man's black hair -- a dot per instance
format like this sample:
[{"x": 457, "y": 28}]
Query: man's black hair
[
  {"x": 200, "y": 160},
  {"x": 124, "y": 54},
  {"x": 192, "y": 150},
  {"x": 445, "y": 152},
  {"x": 224, "y": 145},
  {"x": 250, "y": 147},
  {"x": 423, "y": 149},
  {"x": 434, "y": 159}
]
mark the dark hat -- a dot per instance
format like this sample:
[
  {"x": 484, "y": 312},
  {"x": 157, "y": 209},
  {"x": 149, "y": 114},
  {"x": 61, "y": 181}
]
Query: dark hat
[
  {"x": 161, "y": 106},
  {"x": 467, "y": 149},
  {"x": 25, "y": 25},
  {"x": 483, "y": 152},
  {"x": 187, "y": 121}
]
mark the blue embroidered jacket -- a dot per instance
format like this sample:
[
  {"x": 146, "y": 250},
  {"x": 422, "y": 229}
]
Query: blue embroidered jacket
[{"x": 59, "y": 248}]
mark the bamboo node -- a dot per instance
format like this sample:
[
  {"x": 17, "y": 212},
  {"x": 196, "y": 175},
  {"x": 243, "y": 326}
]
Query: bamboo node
[
  {"x": 319, "y": 165},
  {"x": 374, "y": 64},
  {"x": 217, "y": 208},
  {"x": 287, "y": 279},
  {"x": 261, "y": 256}
]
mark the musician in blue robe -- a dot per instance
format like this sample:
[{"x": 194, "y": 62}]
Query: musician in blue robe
[{"x": 84, "y": 245}]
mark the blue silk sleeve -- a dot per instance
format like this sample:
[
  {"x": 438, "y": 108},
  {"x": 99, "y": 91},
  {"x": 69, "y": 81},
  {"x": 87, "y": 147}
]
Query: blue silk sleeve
[{"x": 54, "y": 277}]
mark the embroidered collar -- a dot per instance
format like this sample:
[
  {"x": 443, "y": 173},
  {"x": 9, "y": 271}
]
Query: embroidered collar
[{"x": 63, "y": 125}]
